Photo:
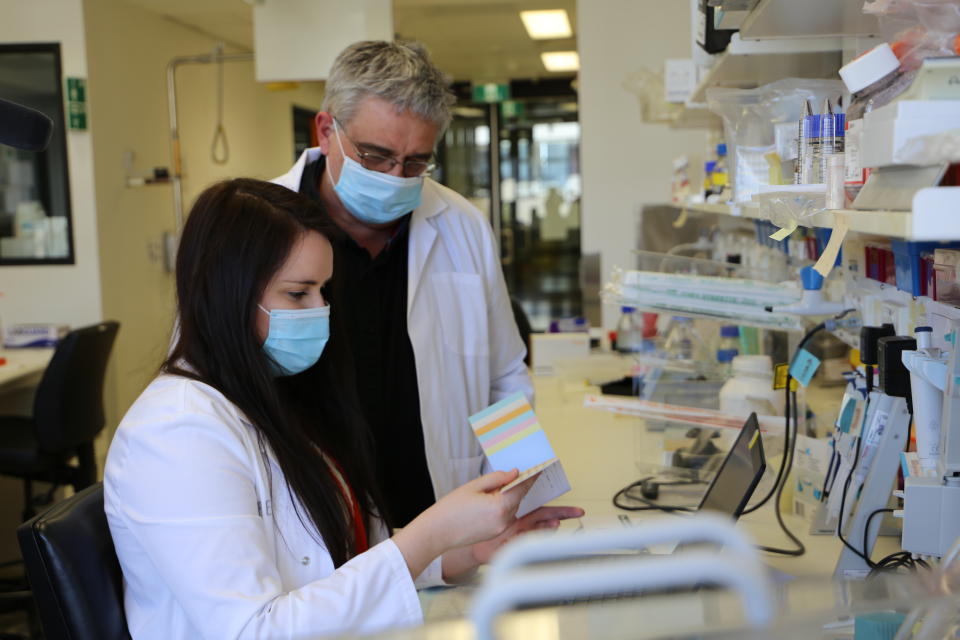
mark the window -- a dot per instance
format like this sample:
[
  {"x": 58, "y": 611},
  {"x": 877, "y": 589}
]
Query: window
[{"x": 35, "y": 222}]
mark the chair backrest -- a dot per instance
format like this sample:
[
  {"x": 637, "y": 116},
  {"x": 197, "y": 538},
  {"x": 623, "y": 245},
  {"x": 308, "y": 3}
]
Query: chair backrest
[
  {"x": 68, "y": 408},
  {"x": 73, "y": 570}
]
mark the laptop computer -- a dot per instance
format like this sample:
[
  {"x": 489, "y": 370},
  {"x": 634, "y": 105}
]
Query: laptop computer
[
  {"x": 729, "y": 491},
  {"x": 739, "y": 473}
]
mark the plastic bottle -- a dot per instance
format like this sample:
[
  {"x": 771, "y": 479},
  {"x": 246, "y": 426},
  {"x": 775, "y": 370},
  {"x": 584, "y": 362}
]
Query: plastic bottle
[
  {"x": 708, "y": 168},
  {"x": 683, "y": 342},
  {"x": 875, "y": 80},
  {"x": 751, "y": 388},
  {"x": 729, "y": 346},
  {"x": 719, "y": 175},
  {"x": 629, "y": 331}
]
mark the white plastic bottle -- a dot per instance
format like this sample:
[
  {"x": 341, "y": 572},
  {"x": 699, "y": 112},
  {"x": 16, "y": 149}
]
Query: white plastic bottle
[
  {"x": 751, "y": 388},
  {"x": 875, "y": 80}
]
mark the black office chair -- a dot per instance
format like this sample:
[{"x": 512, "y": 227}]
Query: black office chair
[
  {"x": 67, "y": 416},
  {"x": 73, "y": 570}
]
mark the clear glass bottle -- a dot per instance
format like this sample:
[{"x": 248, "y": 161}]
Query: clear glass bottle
[
  {"x": 683, "y": 342},
  {"x": 728, "y": 347},
  {"x": 629, "y": 331}
]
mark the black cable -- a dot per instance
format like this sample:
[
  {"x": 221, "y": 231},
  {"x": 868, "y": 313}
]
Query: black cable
[
  {"x": 783, "y": 463},
  {"x": 788, "y": 452},
  {"x": 843, "y": 502},
  {"x": 866, "y": 534},
  {"x": 651, "y": 505}
]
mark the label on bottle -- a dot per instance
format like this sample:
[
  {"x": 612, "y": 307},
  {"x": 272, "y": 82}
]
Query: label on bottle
[{"x": 853, "y": 174}]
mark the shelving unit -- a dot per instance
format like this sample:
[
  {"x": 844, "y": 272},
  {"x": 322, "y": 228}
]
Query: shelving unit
[
  {"x": 750, "y": 63},
  {"x": 927, "y": 221},
  {"x": 809, "y": 18}
]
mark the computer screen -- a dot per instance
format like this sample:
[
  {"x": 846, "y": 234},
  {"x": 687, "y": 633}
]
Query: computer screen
[{"x": 739, "y": 474}]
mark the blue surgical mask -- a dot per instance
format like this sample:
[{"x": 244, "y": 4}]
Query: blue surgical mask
[
  {"x": 296, "y": 338},
  {"x": 371, "y": 196}
]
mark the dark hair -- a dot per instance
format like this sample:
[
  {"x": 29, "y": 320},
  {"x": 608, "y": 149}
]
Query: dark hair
[{"x": 238, "y": 235}]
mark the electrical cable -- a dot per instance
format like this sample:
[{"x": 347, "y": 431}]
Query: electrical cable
[
  {"x": 788, "y": 452},
  {"x": 783, "y": 462},
  {"x": 866, "y": 533},
  {"x": 651, "y": 505}
]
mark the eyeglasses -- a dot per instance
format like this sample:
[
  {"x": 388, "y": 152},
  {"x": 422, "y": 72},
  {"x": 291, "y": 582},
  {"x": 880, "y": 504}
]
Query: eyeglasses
[{"x": 385, "y": 164}]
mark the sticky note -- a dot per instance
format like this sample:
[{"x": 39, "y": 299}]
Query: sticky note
[
  {"x": 803, "y": 367},
  {"x": 512, "y": 438},
  {"x": 781, "y": 234},
  {"x": 830, "y": 252}
]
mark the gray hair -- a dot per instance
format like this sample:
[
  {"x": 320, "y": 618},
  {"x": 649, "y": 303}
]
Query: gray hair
[{"x": 399, "y": 72}]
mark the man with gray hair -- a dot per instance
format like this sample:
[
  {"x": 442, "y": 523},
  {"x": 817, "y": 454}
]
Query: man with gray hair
[{"x": 416, "y": 276}]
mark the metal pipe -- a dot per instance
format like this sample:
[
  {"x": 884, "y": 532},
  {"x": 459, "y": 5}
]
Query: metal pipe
[{"x": 176, "y": 163}]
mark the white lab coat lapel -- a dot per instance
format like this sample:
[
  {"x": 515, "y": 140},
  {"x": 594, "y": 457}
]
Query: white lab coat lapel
[{"x": 423, "y": 235}]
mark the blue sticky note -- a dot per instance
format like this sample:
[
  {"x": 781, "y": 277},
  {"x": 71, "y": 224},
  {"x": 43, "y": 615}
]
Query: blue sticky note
[{"x": 804, "y": 366}]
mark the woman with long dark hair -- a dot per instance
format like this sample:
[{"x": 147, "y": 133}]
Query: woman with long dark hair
[{"x": 239, "y": 486}]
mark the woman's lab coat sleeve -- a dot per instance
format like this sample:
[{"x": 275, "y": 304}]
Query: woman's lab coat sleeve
[{"x": 186, "y": 493}]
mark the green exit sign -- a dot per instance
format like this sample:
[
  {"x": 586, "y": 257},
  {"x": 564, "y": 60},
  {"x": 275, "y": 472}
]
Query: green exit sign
[
  {"x": 77, "y": 104},
  {"x": 491, "y": 92}
]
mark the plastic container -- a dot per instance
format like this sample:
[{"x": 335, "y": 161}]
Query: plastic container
[
  {"x": 629, "y": 331},
  {"x": 947, "y": 284},
  {"x": 751, "y": 388},
  {"x": 912, "y": 270},
  {"x": 683, "y": 342},
  {"x": 875, "y": 80}
]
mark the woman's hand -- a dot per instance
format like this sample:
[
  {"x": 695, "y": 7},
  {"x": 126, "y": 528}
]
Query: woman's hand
[
  {"x": 474, "y": 512},
  {"x": 542, "y": 518}
]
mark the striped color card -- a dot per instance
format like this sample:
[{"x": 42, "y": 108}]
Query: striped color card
[{"x": 511, "y": 436}]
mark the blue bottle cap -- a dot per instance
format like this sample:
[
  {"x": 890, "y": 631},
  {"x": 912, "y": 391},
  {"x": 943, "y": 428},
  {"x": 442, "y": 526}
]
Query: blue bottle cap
[
  {"x": 722, "y": 149},
  {"x": 710, "y": 166},
  {"x": 810, "y": 279},
  {"x": 626, "y": 309},
  {"x": 729, "y": 331}
]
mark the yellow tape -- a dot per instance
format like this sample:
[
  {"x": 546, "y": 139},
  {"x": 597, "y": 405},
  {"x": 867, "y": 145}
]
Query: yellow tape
[
  {"x": 830, "y": 252},
  {"x": 780, "y": 235}
]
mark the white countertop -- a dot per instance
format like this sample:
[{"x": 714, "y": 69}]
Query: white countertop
[
  {"x": 23, "y": 367},
  {"x": 601, "y": 452}
]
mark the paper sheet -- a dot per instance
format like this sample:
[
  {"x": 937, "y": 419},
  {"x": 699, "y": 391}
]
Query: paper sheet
[{"x": 512, "y": 438}]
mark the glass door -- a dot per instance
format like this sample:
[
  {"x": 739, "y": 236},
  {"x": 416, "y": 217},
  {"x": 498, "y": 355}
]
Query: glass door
[{"x": 536, "y": 195}]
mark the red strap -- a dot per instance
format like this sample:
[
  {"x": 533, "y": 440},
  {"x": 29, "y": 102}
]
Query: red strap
[{"x": 359, "y": 527}]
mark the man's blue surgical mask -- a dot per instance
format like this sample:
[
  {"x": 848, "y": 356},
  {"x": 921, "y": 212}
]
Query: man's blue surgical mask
[
  {"x": 374, "y": 197},
  {"x": 296, "y": 338}
]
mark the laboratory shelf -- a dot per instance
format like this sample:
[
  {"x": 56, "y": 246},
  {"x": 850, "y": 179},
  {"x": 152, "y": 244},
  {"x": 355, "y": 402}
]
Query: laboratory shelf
[
  {"x": 933, "y": 217},
  {"x": 696, "y": 116},
  {"x": 809, "y": 18},
  {"x": 750, "y": 63}
]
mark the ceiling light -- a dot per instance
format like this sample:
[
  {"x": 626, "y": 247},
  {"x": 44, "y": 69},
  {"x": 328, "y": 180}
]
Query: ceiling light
[
  {"x": 544, "y": 25},
  {"x": 561, "y": 60}
]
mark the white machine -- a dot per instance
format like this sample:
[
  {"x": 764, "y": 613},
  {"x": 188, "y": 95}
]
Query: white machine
[{"x": 931, "y": 510}]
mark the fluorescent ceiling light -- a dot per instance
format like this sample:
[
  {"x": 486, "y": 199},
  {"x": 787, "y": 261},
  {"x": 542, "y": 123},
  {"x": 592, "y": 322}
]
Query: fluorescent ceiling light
[
  {"x": 561, "y": 60},
  {"x": 544, "y": 25}
]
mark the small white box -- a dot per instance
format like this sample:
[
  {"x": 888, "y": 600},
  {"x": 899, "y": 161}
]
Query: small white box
[
  {"x": 32, "y": 336},
  {"x": 547, "y": 348},
  {"x": 888, "y": 130},
  {"x": 679, "y": 79}
]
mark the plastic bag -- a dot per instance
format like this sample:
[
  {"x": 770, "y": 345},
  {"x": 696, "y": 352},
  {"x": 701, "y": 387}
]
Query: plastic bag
[
  {"x": 751, "y": 118},
  {"x": 649, "y": 89},
  {"x": 918, "y": 29}
]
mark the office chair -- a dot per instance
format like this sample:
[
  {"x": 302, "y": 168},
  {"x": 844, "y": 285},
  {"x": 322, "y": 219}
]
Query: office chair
[
  {"x": 67, "y": 416},
  {"x": 73, "y": 569}
]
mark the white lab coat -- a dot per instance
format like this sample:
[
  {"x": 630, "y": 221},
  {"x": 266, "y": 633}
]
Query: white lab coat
[
  {"x": 466, "y": 345},
  {"x": 210, "y": 544}
]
